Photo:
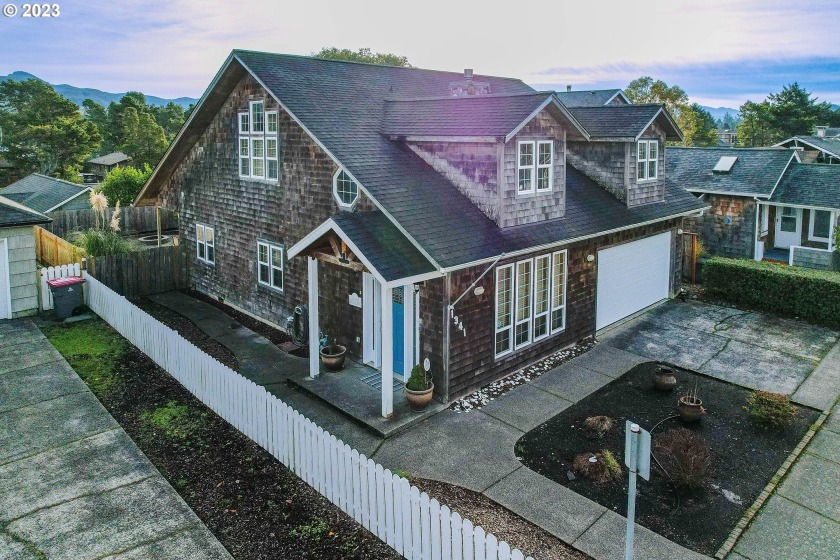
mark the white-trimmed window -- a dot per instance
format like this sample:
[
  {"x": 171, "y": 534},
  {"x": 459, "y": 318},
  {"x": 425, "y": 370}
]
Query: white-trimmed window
[
  {"x": 764, "y": 211},
  {"x": 345, "y": 189},
  {"x": 647, "y": 160},
  {"x": 530, "y": 301},
  {"x": 258, "y": 143},
  {"x": 205, "y": 243},
  {"x": 558, "y": 291},
  {"x": 819, "y": 228},
  {"x": 270, "y": 264},
  {"x": 545, "y": 164},
  {"x": 525, "y": 167},
  {"x": 504, "y": 309}
]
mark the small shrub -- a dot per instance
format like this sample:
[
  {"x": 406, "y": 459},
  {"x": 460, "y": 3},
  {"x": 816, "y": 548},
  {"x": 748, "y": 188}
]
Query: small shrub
[
  {"x": 402, "y": 473},
  {"x": 98, "y": 243},
  {"x": 685, "y": 456},
  {"x": 600, "y": 470},
  {"x": 597, "y": 426},
  {"x": 772, "y": 410},
  {"x": 178, "y": 421},
  {"x": 314, "y": 531},
  {"x": 417, "y": 381}
]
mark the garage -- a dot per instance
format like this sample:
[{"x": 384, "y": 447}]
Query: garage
[{"x": 632, "y": 276}]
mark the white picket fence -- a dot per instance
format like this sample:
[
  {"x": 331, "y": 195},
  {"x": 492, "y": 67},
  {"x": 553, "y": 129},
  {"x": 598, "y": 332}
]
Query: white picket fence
[
  {"x": 395, "y": 511},
  {"x": 52, "y": 273}
]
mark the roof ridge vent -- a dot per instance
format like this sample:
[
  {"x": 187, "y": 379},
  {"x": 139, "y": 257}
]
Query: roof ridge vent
[{"x": 724, "y": 164}]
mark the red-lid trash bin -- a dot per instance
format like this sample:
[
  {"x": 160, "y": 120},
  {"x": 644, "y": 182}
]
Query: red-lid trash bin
[{"x": 68, "y": 295}]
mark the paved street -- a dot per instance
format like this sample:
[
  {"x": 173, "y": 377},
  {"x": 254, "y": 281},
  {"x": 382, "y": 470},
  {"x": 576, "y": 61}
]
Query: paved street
[{"x": 72, "y": 483}]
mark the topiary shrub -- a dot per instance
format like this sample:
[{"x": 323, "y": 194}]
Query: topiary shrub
[
  {"x": 771, "y": 410},
  {"x": 417, "y": 381},
  {"x": 801, "y": 292},
  {"x": 685, "y": 456}
]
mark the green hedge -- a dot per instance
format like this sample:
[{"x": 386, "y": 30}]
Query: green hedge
[{"x": 801, "y": 292}]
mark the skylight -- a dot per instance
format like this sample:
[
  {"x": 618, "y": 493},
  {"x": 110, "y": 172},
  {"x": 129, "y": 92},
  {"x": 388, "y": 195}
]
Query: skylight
[{"x": 724, "y": 164}]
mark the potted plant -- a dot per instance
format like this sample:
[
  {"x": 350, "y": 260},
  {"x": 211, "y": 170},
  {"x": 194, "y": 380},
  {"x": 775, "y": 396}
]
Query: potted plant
[
  {"x": 418, "y": 389},
  {"x": 332, "y": 355},
  {"x": 664, "y": 378},
  {"x": 691, "y": 407}
]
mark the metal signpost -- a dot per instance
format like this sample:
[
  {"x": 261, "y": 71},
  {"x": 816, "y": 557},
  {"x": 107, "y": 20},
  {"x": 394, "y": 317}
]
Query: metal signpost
[{"x": 637, "y": 459}]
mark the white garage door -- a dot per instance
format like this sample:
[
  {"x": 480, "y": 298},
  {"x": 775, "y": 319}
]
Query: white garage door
[{"x": 631, "y": 277}]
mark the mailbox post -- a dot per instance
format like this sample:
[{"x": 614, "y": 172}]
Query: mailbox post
[{"x": 637, "y": 460}]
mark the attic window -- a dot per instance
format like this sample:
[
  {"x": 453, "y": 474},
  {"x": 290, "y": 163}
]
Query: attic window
[
  {"x": 345, "y": 189},
  {"x": 724, "y": 164}
]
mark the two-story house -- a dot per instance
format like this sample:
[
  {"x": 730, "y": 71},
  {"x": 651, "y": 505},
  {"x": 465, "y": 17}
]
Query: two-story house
[{"x": 466, "y": 219}]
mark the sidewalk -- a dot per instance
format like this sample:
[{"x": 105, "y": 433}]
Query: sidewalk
[{"x": 72, "y": 483}]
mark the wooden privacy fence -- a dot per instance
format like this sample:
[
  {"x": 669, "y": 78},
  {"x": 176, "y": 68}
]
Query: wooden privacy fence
[
  {"x": 142, "y": 273},
  {"x": 133, "y": 220},
  {"x": 52, "y": 250},
  {"x": 406, "y": 519}
]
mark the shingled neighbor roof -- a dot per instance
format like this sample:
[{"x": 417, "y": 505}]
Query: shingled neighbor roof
[
  {"x": 14, "y": 214},
  {"x": 810, "y": 184},
  {"x": 110, "y": 159},
  {"x": 342, "y": 105},
  {"x": 42, "y": 193},
  {"x": 481, "y": 115},
  {"x": 618, "y": 122},
  {"x": 830, "y": 145},
  {"x": 756, "y": 172},
  {"x": 589, "y": 98}
]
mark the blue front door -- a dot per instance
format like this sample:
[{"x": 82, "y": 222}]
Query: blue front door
[{"x": 399, "y": 329}]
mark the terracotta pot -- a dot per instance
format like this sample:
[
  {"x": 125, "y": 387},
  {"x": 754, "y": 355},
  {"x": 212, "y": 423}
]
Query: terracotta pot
[
  {"x": 333, "y": 356},
  {"x": 419, "y": 400},
  {"x": 691, "y": 409},
  {"x": 664, "y": 378}
]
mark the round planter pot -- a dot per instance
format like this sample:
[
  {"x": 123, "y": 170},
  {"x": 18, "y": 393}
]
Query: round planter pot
[
  {"x": 332, "y": 356},
  {"x": 691, "y": 409},
  {"x": 664, "y": 378},
  {"x": 419, "y": 400}
]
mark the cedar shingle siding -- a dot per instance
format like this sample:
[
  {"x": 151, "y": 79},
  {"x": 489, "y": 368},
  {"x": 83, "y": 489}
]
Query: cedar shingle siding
[{"x": 727, "y": 229}]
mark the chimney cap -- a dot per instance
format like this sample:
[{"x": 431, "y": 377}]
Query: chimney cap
[
  {"x": 468, "y": 73},
  {"x": 569, "y": 87},
  {"x": 821, "y": 130}
]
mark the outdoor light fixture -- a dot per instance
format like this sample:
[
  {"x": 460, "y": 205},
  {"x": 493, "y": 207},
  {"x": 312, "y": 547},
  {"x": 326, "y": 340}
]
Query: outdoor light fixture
[
  {"x": 590, "y": 258},
  {"x": 680, "y": 232}
]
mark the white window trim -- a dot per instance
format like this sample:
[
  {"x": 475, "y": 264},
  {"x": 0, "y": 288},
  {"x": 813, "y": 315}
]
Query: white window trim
[
  {"x": 515, "y": 287},
  {"x": 337, "y": 198},
  {"x": 547, "y": 312},
  {"x": 562, "y": 306},
  {"x": 268, "y": 139},
  {"x": 277, "y": 122},
  {"x": 241, "y": 130},
  {"x": 647, "y": 160},
  {"x": 811, "y": 236},
  {"x": 246, "y": 157},
  {"x": 264, "y": 135},
  {"x": 258, "y": 138},
  {"x": 204, "y": 228},
  {"x": 549, "y": 166},
  {"x": 531, "y": 168},
  {"x": 508, "y": 328},
  {"x": 271, "y": 265},
  {"x": 251, "y": 113}
]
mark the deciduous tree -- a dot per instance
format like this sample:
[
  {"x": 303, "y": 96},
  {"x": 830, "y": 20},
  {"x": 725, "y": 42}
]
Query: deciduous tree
[{"x": 363, "y": 55}]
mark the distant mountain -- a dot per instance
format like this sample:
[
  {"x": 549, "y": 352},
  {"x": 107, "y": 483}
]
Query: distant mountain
[
  {"x": 720, "y": 112},
  {"x": 78, "y": 95}
]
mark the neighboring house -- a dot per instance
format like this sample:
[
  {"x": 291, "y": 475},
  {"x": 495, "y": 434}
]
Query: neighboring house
[
  {"x": 592, "y": 98},
  {"x": 726, "y": 137},
  {"x": 18, "y": 277},
  {"x": 821, "y": 147},
  {"x": 8, "y": 172},
  {"x": 420, "y": 214},
  {"x": 47, "y": 194},
  {"x": 764, "y": 203},
  {"x": 103, "y": 165}
]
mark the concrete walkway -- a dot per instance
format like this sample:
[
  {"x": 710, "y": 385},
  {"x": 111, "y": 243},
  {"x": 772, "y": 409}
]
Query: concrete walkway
[{"x": 72, "y": 483}]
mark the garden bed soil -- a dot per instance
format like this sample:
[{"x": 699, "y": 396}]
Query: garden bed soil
[
  {"x": 190, "y": 331},
  {"x": 503, "y": 523},
  {"x": 744, "y": 457},
  {"x": 279, "y": 338},
  {"x": 255, "y": 506}
]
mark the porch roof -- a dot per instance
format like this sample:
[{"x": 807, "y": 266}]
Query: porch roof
[
  {"x": 810, "y": 184},
  {"x": 375, "y": 240}
]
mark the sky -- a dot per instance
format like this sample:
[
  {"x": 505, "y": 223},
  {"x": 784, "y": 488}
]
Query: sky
[{"x": 721, "y": 52}]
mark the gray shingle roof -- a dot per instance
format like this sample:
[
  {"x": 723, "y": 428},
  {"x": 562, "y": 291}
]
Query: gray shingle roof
[
  {"x": 110, "y": 159},
  {"x": 619, "y": 121},
  {"x": 755, "y": 173},
  {"x": 383, "y": 244},
  {"x": 587, "y": 98},
  {"x": 484, "y": 115},
  {"x": 14, "y": 214},
  {"x": 42, "y": 193},
  {"x": 810, "y": 184},
  {"x": 825, "y": 144}
]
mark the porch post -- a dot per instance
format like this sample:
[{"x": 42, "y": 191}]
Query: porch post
[
  {"x": 387, "y": 339},
  {"x": 314, "y": 328}
]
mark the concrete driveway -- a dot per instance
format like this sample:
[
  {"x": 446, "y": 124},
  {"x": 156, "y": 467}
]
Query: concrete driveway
[{"x": 751, "y": 349}]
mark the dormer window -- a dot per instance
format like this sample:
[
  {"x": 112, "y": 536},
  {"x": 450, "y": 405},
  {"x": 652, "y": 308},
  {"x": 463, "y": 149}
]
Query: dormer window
[
  {"x": 258, "y": 143},
  {"x": 345, "y": 189},
  {"x": 647, "y": 160},
  {"x": 534, "y": 166}
]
